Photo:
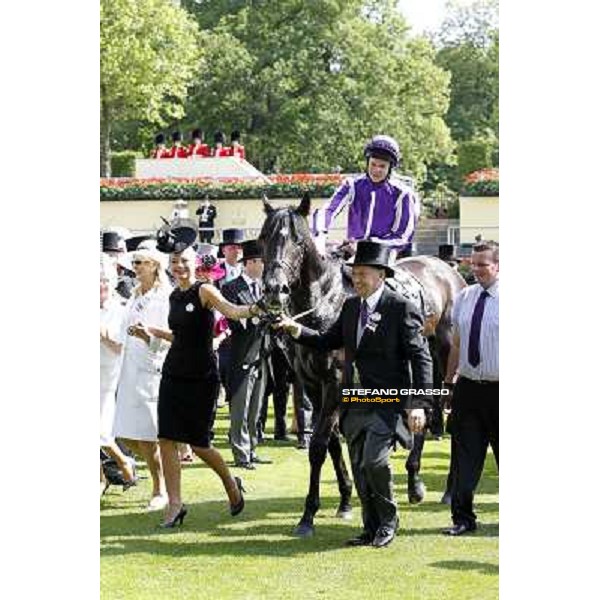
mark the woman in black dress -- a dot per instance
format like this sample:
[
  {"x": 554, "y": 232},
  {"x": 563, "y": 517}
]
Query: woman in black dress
[{"x": 190, "y": 382}]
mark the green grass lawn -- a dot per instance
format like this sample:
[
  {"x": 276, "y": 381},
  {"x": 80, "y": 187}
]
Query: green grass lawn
[{"x": 255, "y": 554}]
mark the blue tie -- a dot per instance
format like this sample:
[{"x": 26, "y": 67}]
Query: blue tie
[
  {"x": 474, "y": 355},
  {"x": 364, "y": 313}
]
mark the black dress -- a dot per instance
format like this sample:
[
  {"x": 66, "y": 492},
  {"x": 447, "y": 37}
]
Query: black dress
[{"x": 190, "y": 381}]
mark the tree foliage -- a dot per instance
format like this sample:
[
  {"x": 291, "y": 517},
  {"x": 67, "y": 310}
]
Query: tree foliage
[
  {"x": 148, "y": 56},
  {"x": 308, "y": 82}
]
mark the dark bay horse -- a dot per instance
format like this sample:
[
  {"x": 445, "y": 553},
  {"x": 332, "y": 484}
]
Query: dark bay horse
[{"x": 298, "y": 281}]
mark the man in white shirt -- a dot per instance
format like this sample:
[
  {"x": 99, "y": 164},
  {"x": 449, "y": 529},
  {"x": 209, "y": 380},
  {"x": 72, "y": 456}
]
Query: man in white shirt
[{"x": 474, "y": 357}]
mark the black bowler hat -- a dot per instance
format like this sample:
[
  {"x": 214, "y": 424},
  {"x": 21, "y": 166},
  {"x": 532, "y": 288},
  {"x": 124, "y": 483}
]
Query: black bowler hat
[
  {"x": 373, "y": 254},
  {"x": 176, "y": 237},
  {"x": 133, "y": 242},
  {"x": 251, "y": 249},
  {"x": 159, "y": 139},
  {"x": 111, "y": 242},
  {"x": 219, "y": 137},
  {"x": 446, "y": 252},
  {"x": 176, "y": 136}
]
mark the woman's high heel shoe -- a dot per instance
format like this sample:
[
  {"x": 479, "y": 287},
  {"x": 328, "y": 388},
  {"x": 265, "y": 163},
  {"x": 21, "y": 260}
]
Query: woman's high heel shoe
[
  {"x": 238, "y": 507},
  {"x": 178, "y": 518}
]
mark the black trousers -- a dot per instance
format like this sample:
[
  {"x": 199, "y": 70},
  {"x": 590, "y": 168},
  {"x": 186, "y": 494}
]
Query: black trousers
[
  {"x": 278, "y": 384},
  {"x": 370, "y": 440},
  {"x": 207, "y": 236},
  {"x": 475, "y": 425}
]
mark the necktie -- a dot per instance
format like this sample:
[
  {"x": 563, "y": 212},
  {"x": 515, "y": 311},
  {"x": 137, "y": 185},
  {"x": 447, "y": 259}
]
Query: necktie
[
  {"x": 474, "y": 355},
  {"x": 364, "y": 317},
  {"x": 254, "y": 287}
]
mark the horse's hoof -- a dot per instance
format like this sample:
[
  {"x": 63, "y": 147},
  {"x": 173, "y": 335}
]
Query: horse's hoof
[
  {"x": 344, "y": 513},
  {"x": 304, "y": 530},
  {"x": 416, "y": 492}
]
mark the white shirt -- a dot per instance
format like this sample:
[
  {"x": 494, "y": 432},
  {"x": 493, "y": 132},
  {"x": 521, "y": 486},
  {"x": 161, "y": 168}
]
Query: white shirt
[
  {"x": 371, "y": 301},
  {"x": 232, "y": 273},
  {"x": 488, "y": 368}
]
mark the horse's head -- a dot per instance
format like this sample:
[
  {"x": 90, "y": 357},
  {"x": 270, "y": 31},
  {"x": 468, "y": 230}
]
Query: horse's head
[{"x": 286, "y": 239}]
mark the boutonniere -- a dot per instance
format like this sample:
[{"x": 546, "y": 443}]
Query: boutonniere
[
  {"x": 372, "y": 327},
  {"x": 189, "y": 307},
  {"x": 373, "y": 321}
]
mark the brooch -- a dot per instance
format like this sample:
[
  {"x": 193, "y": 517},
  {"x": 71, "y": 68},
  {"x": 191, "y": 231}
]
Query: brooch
[
  {"x": 190, "y": 307},
  {"x": 255, "y": 320}
]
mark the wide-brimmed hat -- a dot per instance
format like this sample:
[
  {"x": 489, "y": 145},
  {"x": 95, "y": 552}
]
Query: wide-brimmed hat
[
  {"x": 251, "y": 249},
  {"x": 133, "y": 242},
  {"x": 373, "y": 254},
  {"x": 148, "y": 254},
  {"x": 176, "y": 236}
]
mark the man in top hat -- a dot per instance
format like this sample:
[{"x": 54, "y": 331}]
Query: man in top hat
[
  {"x": 160, "y": 149},
  {"x": 115, "y": 246},
  {"x": 231, "y": 249},
  {"x": 446, "y": 253},
  {"x": 198, "y": 148},
  {"x": 220, "y": 149},
  {"x": 177, "y": 150},
  {"x": 247, "y": 371},
  {"x": 382, "y": 335},
  {"x": 236, "y": 147},
  {"x": 207, "y": 213},
  {"x": 381, "y": 206}
]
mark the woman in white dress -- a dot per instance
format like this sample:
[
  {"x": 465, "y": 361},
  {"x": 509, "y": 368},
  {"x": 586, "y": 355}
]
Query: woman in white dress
[
  {"x": 111, "y": 345},
  {"x": 143, "y": 356}
]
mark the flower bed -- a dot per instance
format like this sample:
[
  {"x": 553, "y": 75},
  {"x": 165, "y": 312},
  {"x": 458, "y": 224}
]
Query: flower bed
[
  {"x": 485, "y": 182},
  {"x": 282, "y": 186}
]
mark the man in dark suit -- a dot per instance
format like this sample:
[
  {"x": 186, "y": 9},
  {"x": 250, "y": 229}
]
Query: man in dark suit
[
  {"x": 382, "y": 336},
  {"x": 207, "y": 213},
  {"x": 247, "y": 370}
]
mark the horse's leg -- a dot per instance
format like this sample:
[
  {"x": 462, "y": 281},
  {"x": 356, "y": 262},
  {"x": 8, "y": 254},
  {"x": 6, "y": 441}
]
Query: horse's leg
[
  {"x": 341, "y": 472},
  {"x": 317, "y": 451},
  {"x": 416, "y": 487}
]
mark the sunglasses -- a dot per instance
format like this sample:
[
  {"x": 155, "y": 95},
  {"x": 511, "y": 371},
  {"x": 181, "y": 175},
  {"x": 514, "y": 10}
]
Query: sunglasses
[{"x": 137, "y": 263}]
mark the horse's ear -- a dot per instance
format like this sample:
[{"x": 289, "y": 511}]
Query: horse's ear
[
  {"x": 304, "y": 208},
  {"x": 267, "y": 207}
]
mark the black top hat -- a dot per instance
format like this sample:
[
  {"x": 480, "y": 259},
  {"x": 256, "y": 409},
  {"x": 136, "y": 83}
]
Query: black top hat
[
  {"x": 176, "y": 136},
  {"x": 176, "y": 237},
  {"x": 111, "y": 242},
  {"x": 373, "y": 254},
  {"x": 219, "y": 137},
  {"x": 232, "y": 236},
  {"x": 197, "y": 134},
  {"x": 446, "y": 252},
  {"x": 159, "y": 139},
  {"x": 133, "y": 242},
  {"x": 235, "y": 135},
  {"x": 251, "y": 249}
]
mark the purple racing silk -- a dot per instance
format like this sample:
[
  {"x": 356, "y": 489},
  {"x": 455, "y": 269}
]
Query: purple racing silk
[{"x": 385, "y": 212}]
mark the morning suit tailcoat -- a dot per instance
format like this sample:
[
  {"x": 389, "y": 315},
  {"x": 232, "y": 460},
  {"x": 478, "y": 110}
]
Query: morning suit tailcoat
[
  {"x": 247, "y": 375},
  {"x": 246, "y": 337},
  {"x": 394, "y": 355},
  {"x": 392, "y": 345}
]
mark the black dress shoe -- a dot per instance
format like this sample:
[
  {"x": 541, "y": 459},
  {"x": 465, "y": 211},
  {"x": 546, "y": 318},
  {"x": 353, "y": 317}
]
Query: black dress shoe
[
  {"x": 245, "y": 465},
  {"x": 281, "y": 437},
  {"x": 460, "y": 528},
  {"x": 384, "y": 536},
  {"x": 364, "y": 539},
  {"x": 261, "y": 461}
]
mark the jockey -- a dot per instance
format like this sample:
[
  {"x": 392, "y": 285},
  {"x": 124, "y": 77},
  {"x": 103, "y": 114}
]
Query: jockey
[{"x": 381, "y": 206}]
